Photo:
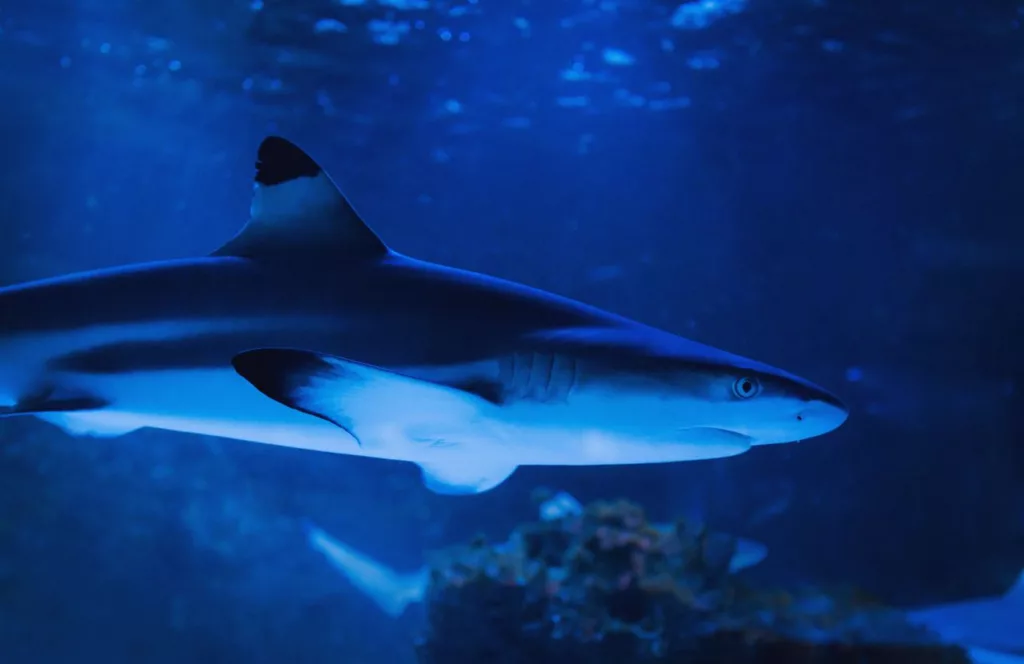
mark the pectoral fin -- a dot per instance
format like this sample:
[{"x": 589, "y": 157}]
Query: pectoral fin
[{"x": 378, "y": 407}]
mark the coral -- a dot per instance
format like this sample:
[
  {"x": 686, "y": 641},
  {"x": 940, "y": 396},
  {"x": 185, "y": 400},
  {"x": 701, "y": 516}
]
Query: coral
[{"x": 605, "y": 585}]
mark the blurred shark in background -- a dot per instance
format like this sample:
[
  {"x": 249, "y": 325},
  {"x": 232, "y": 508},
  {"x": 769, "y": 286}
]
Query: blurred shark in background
[
  {"x": 393, "y": 592},
  {"x": 991, "y": 629}
]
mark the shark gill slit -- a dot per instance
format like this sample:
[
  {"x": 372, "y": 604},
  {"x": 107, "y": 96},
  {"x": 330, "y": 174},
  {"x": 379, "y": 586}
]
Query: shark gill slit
[
  {"x": 540, "y": 377},
  {"x": 548, "y": 362}
]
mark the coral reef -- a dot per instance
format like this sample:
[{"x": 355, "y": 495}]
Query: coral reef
[{"x": 606, "y": 585}]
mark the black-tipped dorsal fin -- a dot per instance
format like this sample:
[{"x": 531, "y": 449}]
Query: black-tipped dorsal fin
[{"x": 298, "y": 212}]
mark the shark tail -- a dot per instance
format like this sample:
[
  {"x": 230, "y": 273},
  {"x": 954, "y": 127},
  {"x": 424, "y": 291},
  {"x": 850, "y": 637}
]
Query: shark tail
[{"x": 390, "y": 590}]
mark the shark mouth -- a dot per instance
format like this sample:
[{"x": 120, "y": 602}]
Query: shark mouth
[
  {"x": 715, "y": 436},
  {"x": 715, "y": 431}
]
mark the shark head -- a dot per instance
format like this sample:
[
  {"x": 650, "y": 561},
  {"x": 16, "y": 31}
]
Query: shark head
[
  {"x": 762, "y": 404},
  {"x": 650, "y": 385}
]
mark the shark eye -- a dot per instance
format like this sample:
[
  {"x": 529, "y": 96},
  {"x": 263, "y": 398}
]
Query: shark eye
[{"x": 744, "y": 388}]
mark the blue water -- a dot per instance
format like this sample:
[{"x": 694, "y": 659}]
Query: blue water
[{"x": 829, "y": 186}]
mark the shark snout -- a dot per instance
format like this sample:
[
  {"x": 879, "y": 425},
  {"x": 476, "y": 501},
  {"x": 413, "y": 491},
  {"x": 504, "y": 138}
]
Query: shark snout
[
  {"x": 795, "y": 419},
  {"x": 819, "y": 416}
]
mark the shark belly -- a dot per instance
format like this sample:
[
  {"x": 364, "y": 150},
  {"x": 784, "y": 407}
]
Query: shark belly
[
  {"x": 555, "y": 446},
  {"x": 602, "y": 432},
  {"x": 214, "y": 402}
]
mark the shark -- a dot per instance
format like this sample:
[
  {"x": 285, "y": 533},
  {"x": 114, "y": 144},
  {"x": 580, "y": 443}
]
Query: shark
[
  {"x": 393, "y": 591},
  {"x": 990, "y": 629},
  {"x": 306, "y": 330}
]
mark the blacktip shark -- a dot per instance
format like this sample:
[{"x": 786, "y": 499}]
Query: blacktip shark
[
  {"x": 393, "y": 591},
  {"x": 990, "y": 629},
  {"x": 306, "y": 330}
]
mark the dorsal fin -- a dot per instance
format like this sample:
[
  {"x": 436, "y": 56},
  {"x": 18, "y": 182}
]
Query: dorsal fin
[{"x": 298, "y": 212}]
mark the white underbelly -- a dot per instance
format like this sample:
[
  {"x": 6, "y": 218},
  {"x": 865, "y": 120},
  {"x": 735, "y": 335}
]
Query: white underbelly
[
  {"x": 218, "y": 402},
  {"x": 587, "y": 446},
  {"x": 603, "y": 433},
  {"x": 207, "y": 402}
]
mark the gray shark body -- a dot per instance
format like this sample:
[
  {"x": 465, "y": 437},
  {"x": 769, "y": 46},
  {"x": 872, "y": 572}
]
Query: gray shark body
[
  {"x": 991, "y": 629},
  {"x": 305, "y": 330},
  {"x": 393, "y": 591}
]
